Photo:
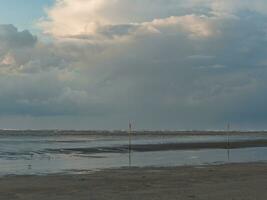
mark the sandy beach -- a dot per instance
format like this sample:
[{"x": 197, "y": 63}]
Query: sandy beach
[{"x": 233, "y": 181}]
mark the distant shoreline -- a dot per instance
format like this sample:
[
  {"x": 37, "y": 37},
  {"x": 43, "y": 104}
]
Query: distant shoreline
[{"x": 123, "y": 133}]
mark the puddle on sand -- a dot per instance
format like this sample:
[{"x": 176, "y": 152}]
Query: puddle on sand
[{"x": 62, "y": 163}]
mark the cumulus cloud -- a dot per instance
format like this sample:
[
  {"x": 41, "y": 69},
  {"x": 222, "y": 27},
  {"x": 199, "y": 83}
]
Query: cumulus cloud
[
  {"x": 13, "y": 41},
  {"x": 184, "y": 64},
  {"x": 70, "y": 18},
  {"x": 95, "y": 18},
  {"x": 10, "y": 37}
]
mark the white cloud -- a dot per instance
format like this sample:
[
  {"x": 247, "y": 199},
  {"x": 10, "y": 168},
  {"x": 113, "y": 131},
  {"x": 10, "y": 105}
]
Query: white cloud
[
  {"x": 69, "y": 17},
  {"x": 197, "y": 26},
  {"x": 86, "y": 19}
]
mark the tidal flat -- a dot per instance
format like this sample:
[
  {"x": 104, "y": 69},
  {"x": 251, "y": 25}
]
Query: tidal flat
[{"x": 247, "y": 181}]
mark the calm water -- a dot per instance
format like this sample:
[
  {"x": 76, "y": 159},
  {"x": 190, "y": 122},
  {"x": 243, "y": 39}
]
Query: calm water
[{"x": 31, "y": 154}]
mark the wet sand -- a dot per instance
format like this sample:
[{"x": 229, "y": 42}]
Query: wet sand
[
  {"x": 233, "y": 182},
  {"x": 165, "y": 147}
]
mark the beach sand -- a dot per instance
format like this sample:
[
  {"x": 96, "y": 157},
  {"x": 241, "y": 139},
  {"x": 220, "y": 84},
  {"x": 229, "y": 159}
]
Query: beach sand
[{"x": 231, "y": 182}]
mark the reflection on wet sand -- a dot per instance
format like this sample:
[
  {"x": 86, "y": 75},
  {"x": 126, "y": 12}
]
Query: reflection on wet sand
[{"x": 46, "y": 154}]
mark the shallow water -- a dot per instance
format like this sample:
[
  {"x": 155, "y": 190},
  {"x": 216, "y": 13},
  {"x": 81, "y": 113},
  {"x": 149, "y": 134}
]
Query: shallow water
[{"x": 29, "y": 154}]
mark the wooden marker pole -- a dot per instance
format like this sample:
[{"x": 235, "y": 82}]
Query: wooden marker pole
[
  {"x": 228, "y": 139},
  {"x": 130, "y": 144},
  {"x": 130, "y": 136},
  {"x": 228, "y": 142}
]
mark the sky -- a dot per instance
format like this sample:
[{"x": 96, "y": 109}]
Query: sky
[
  {"x": 162, "y": 64},
  {"x": 23, "y": 15}
]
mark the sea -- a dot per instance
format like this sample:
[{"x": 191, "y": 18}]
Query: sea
[{"x": 62, "y": 152}]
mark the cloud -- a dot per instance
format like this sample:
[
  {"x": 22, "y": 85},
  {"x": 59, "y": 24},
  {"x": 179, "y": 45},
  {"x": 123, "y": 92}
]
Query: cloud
[
  {"x": 10, "y": 37},
  {"x": 12, "y": 42},
  {"x": 96, "y": 18},
  {"x": 196, "y": 26},
  {"x": 182, "y": 65}
]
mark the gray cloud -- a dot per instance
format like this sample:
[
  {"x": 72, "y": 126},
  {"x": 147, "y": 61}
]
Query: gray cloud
[
  {"x": 188, "y": 71},
  {"x": 10, "y": 37}
]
